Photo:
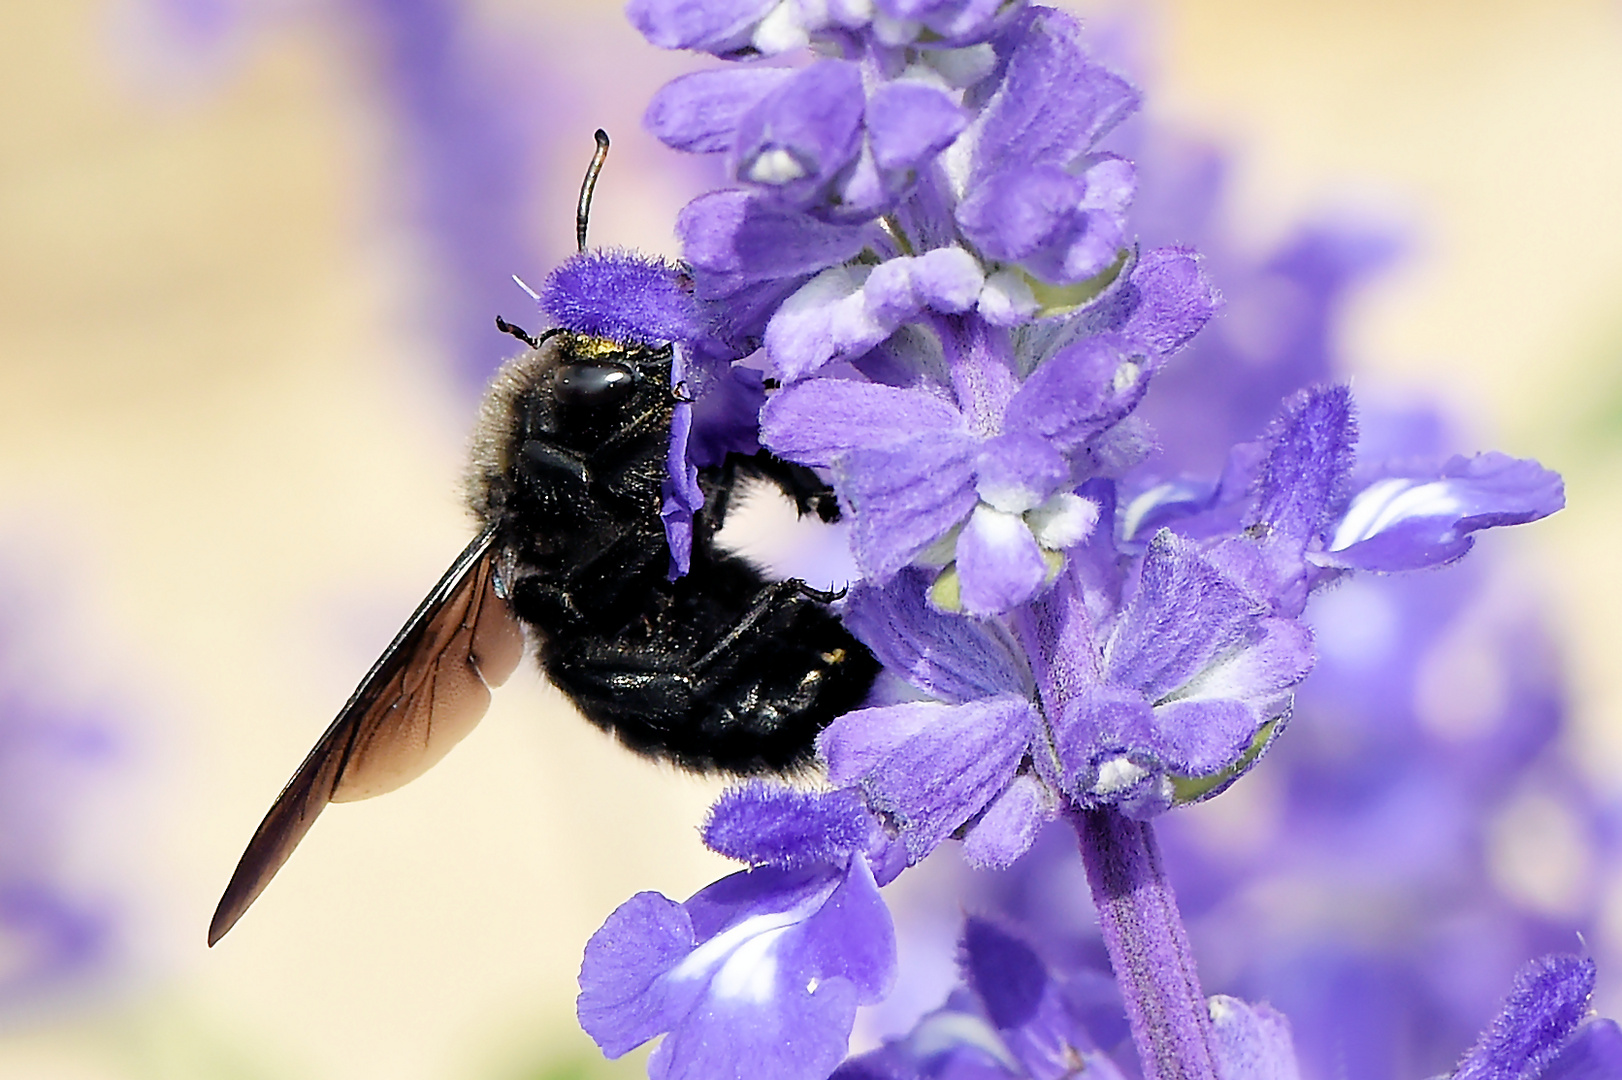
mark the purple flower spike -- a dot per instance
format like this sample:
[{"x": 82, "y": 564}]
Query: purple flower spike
[
  {"x": 926, "y": 251},
  {"x": 757, "y": 975},
  {"x": 766, "y": 824},
  {"x": 1549, "y": 999}
]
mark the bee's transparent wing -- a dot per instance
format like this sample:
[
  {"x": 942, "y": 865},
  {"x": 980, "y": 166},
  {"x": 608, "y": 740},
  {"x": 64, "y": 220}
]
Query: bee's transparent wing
[{"x": 426, "y": 691}]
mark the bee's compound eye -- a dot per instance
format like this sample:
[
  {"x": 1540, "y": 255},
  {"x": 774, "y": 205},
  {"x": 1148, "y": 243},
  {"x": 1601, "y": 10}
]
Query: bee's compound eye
[{"x": 594, "y": 384}]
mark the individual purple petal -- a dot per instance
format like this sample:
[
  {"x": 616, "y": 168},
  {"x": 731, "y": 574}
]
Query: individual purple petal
[
  {"x": 1309, "y": 453},
  {"x": 767, "y": 824},
  {"x": 718, "y": 26},
  {"x": 1054, "y": 103},
  {"x": 1251, "y": 1042},
  {"x": 999, "y": 562},
  {"x": 906, "y": 497},
  {"x": 948, "y": 279},
  {"x": 1041, "y": 1016},
  {"x": 623, "y": 296},
  {"x": 699, "y": 113},
  {"x": 737, "y": 239},
  {"x": 908, "y": 123},
  {"x": 1182, "y": 614},
  {"x": 1408, "y": 522},
  {"x": 1110, "y": 182},
  {"x": 929, "y": 767},
  {"x": 1018, "y": 471},
  {"x": 1009, "y": 825},
  {"x": 1548, "y": 1000},
  {"x": 1088, "y": 244},
  {"x": 801, "y": 134},
  {"x": 946, "y": 656},
  {"x": 1014, "y": 214},
  {"x": 1076, "y": 394},
  {"x": 1172, "y": 300},
  {"x": 1593, "y": 1053},
  {"x": 1099, "y": 732},
  {"x": 1203, "y": 737},
  {"x": 816, "y": 422},
  {"x": 825, "y": 318},
  {"x": 624, "y": 1000},
  {"x": 760, "y": 972},
  {"x": 679, "y": 493},
  {"x": 726, "y": 417}
]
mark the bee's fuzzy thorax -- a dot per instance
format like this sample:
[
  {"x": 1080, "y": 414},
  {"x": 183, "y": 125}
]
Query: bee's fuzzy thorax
[{"x": 624, "y": 296}]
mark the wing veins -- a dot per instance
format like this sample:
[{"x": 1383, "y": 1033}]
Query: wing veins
[{"x": 322, "y": 771}]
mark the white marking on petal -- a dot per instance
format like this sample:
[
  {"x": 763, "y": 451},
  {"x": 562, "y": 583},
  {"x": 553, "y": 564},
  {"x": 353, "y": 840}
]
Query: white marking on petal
[
  {"x": 743, "y": 956},
  {"x": 895, "y": 32},
  {"x": 1006, "y": 299},
  {"x": 943, "y": 1031},
  {"x": 811, "y": 14},
  {"x": 1126, "y": 376},
  {"x": 775, "y": 167},
  {"x": 956, "y": 276},
  {"x": 812, "y": 984},
  {"x": 1116, "y": 775},
  {"x": 850, "y": 13},
  {"x": 780, "y": 31},
  {"x": 1064, "y": 521},
  {"x": 925, "y": 75},
  {"x": 1151, "y": 500},
  {"x": 1387, "y": 503},
  {"x": 963, "y": 67},
  {"x": 750, "y": 973},
  {"x": 1010, "y": 498}
]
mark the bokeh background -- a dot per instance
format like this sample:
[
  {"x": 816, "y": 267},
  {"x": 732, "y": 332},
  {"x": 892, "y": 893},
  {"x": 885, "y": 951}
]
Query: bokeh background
[{"x": 249, "y": 255}]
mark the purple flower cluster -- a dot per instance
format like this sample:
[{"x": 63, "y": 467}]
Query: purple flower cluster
[{"x": 927, "y": 245}]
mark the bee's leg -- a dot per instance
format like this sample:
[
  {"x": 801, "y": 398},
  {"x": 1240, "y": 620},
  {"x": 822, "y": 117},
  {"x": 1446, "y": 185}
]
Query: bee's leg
[
  {"x": 768, "y": 602},
  {"x": 811, "y": 494}
]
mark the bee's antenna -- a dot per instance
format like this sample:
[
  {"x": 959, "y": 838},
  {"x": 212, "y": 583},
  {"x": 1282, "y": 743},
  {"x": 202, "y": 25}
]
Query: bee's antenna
[{"x": 582, "y": 213}]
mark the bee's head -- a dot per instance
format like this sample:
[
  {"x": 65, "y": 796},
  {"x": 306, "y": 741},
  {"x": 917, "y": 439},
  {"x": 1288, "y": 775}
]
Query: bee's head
[{"x": 598, "y": 383}]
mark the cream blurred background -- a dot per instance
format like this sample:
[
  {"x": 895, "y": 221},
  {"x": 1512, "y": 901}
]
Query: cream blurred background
[{"x": 230, "y": 447}]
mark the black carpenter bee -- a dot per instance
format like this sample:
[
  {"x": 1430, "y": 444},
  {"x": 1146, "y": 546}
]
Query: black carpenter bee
[{"x": 719, "y": 669}]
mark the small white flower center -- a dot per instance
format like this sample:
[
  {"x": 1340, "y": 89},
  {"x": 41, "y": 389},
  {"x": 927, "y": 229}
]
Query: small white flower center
[
  {"x": 1118, "y": 774},
  {"x": 780, "y": 31},
  {"x": 775, "y": 167}
]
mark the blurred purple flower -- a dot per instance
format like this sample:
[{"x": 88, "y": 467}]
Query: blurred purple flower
[{"x": 59, "y": 932}]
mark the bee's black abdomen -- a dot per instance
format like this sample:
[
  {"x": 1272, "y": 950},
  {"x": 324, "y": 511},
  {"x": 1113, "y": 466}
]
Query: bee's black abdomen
[{"x": 732, "y": 673}]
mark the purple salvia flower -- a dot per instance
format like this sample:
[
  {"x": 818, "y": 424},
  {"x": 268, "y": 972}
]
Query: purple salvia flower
[
  {"x": 760, "y": 973},
  {"x": 928, "y": 247}
]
